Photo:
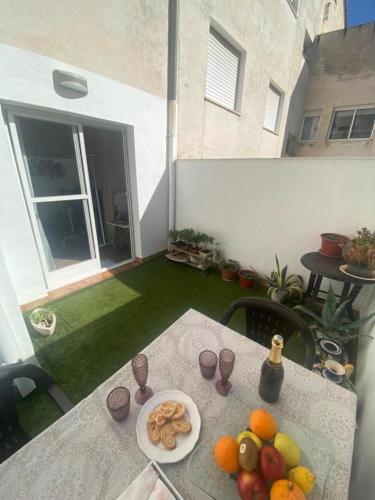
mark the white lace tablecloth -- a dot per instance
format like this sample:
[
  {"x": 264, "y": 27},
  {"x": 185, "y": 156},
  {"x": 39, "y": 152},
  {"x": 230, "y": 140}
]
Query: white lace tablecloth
[{"x": 86, "y": 455}]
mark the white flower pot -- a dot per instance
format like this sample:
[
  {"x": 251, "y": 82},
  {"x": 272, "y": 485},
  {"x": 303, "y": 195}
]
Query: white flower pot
[
  {"x": 280, "y": 295},
  {"x": 43, "y": 330}
]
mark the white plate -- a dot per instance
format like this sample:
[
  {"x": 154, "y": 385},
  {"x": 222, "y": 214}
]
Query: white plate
[{"x": 185, "y": 442}]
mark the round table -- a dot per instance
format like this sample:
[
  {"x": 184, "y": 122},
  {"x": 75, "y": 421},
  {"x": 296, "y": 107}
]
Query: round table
[{"x": 328, "y": 267}]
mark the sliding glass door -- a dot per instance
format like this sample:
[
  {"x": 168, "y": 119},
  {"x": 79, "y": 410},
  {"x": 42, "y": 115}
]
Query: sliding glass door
[{"x": 56, "y": 186}]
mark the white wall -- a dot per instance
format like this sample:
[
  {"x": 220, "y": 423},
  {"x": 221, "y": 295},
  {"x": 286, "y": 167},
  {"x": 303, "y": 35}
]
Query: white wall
[
  {"x": 15, "y": 343},
  {"x": 257, "y": 207},
  {"x": 27, "y": 81}
]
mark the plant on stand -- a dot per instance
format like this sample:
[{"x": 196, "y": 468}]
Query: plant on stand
[
  {"x": 360, "y": 254},
  {"x": 43, "y": 321},
  {"x": 205, "y": 241},
  {"x": 333, "y": 324},
  {"x": 173, "y": 238},
  {"x": 282, "y": 286}
]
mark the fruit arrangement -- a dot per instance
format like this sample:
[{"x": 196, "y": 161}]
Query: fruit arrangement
[{"x": 266, "y": 461}]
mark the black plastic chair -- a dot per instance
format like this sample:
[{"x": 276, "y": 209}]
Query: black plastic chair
[
  {"x": 12, "y": 435},
  {"x": 266, "y": 318}
]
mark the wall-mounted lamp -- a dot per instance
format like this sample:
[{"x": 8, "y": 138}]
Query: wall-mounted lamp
[{"x": 69, "y": 84}]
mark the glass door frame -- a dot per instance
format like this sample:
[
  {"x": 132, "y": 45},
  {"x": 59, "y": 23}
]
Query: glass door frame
[{"x": 74, "y": 272}]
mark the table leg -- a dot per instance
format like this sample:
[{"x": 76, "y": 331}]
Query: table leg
[
  {"x": 345, "y": 292},
  {"x": 310, "y": 285},
  {"x": 317, "y": 284},
  {"x": 352, "y": 296}
]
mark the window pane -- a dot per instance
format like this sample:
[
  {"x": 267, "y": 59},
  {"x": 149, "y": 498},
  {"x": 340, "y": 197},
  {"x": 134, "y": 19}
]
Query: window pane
[
  {"x": 272, "y": 110},
  {"x": 50, "y": 157},
  {"x": 341, "y": 124},
  {"x": 310, "y": 128},
  {"x": 363, "y": 124},
  {"x": 63, "y": 232}
]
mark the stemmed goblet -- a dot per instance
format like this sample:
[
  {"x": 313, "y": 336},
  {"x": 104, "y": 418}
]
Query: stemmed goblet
[
  {"x": 226, "y": 364},
  {"x": 140, "y": 371}
]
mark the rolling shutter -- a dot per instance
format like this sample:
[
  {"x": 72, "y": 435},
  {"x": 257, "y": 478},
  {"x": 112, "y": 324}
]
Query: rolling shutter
[
  {"x": 222, "y": 71},
  {"x": 272, "y": 108}
]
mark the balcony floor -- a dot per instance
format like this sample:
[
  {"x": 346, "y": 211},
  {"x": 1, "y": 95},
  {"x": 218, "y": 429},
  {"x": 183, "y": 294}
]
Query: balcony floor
[{"x": 102, "y": 327}]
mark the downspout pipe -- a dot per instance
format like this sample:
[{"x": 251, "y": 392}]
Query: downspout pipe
[{"x": 173, "y": 15}]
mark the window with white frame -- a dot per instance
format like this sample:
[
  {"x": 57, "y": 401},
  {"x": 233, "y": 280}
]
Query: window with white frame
[
  {"x": 273, "y": 108},
  {"x": 352, "y": 124},
  {"x": 294, "y": 5},
  {"x": 309, "y": 127},
  {"x": 223, "y": 71}
]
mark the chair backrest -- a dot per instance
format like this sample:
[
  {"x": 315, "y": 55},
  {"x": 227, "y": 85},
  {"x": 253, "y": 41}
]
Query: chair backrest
[
  {"x": 12, "y": 435},
  {"x": 266, "y": 318}
]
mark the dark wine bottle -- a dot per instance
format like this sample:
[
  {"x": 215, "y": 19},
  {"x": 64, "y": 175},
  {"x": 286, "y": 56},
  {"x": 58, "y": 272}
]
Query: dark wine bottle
[{"x": 272, "y": 372}]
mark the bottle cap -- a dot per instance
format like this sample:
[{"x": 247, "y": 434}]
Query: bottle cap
[{"x": 277, "y": 341}]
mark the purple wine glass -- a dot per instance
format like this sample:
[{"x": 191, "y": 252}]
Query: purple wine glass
[
  {"x": 140, "y": 372},
  {"x": 226, "y": 364},
  {"x": 207, "y": 364},
  {"x": 118, "y": 403}
]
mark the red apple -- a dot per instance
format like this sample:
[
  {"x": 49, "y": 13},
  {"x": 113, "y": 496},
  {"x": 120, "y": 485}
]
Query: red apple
[
  {"x": 271, "y": 463},
  {"x": 251, "y": 486}
]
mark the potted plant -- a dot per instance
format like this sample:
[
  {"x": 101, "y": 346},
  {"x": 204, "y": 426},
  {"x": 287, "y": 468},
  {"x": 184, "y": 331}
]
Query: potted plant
[
  {"x": 248, "y": 278},
  {"x": 332, "y": 244},
  {"x": 205, "y": 241},
  {"x": 282, "y": 286},
  {"x": 360, "y": 254},
  {"x": 43, "y": 321},
  {"x": 173, "y": 238},
  {"x": 333, "y": 324},
  {"x": 196, "y": 239},
  {"x": 186, "y": 236},
  {"x": 229, "y": 269}
]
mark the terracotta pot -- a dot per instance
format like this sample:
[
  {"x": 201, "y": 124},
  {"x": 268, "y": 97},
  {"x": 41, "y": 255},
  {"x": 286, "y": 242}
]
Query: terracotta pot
[
  {"x": 332, "y": 244},
  {"x": 228, "y": 275},
  {"x": 249, "y": 283}
]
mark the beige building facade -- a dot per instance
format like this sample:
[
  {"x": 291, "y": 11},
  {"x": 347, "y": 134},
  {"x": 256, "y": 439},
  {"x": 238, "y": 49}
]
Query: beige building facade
[
  {"x": 339, "y": 102},
  {"x": 271, "y": 37}
]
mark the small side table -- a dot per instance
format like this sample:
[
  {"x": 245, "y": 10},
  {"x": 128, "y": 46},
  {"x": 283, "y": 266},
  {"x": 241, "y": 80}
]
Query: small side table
[{"x": 328, "y": 267}]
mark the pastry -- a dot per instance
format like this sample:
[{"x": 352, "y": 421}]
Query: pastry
[
  {"x": 167, "y": 436},
  {"x": 152, "y": 417},
  {"x": 180, "y": 411},
  {"x": 165, "y": 421},
  {"x": 168, "y": 408},
  {"x": 160, "y": 419},
  {"x": 181, "y": 425},
  {"x": 153, "y": 432}
]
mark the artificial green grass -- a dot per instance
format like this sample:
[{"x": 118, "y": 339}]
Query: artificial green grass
[{"x": 102, "y": 327}]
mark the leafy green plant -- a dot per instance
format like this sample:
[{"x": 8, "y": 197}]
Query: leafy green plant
[
  {"x": 187, "y": 235},
  {"x": 42, "y": 316},
  {"x": 205, "y": 239},
  {"x": 281, "y": 281},
  {"x": 361, "y": 249},
  {"x": 229, "y": 265},
  {"x": 333, "y": 324},
  {"x": 173, "y": 235}
]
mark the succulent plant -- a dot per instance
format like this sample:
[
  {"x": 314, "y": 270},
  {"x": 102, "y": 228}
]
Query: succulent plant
[
  {"x": 280, "y": 280},
  {"x": 333, "y": 323}
]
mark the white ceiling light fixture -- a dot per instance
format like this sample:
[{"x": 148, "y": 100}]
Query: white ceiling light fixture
[{"x": 70, "y": 81}]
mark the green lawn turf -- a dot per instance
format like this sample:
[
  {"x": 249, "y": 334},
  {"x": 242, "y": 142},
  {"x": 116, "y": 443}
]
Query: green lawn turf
[{"x": 102, "y": 327}]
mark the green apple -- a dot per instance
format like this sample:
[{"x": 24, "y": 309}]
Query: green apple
[
  {"x": 252, "y": 436},
  {"x": 288, "y": 448}
]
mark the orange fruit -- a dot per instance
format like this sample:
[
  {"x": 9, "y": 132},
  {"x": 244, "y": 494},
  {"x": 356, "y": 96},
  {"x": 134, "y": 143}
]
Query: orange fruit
[
  {"x": 226, "y": 454},
  {"x": 283, "y": 489},
  {"x": 262, "y": 423}
]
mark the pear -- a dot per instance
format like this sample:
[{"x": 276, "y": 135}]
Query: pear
[{"x": 288, "y": 448}]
